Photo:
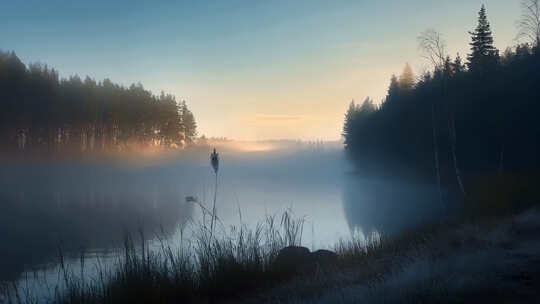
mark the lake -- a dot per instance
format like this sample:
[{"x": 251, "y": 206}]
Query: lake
[{"x": 88, "y": 207}]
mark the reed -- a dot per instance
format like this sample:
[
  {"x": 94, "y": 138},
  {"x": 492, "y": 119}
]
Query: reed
[
  {"x": 238, "y": 262},
  {"x": 214, "y": 161},
  {"x": 211, "y": 265}
]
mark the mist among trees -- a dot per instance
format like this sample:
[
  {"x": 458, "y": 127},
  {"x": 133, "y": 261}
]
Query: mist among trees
[
  {"x": 461, "y": 119},
  {"x": 42, "y": 113}
]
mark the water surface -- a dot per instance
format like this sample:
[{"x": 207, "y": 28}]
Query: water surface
[{"x": 88, "y": 207}]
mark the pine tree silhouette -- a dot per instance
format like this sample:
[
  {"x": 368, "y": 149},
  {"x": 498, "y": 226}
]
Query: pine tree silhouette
[{"x": 483, "y": 53}]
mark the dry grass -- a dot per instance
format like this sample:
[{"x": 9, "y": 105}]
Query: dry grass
[
  {"x": 491, "y": 260},
  {"x": 236, "y": 265},
  {"x": 209, "y": 266}
]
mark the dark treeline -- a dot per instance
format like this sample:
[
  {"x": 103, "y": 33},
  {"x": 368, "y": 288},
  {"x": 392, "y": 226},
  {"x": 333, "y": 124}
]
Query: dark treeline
[
  {"x": 41, "y": 113},
  {"x": 459, "y": 121}
]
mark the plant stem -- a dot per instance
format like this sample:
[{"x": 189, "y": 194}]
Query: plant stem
[{"x": 214, "y": 207}]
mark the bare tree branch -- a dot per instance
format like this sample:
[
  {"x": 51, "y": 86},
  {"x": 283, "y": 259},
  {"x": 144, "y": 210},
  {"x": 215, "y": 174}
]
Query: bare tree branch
[
  {"x": 432, "y": 47},
  {"x": 529, "y": 24}
]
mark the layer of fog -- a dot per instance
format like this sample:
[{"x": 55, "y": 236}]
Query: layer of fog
[{"x": 90, "y": 205}]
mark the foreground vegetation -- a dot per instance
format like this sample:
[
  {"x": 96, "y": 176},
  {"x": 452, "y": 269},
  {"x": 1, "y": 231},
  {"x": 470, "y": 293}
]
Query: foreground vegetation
[
  {"x": 209, "y": 266},
  {"x": 424, "y": 264},
  {"x": 481, "y": 260}
]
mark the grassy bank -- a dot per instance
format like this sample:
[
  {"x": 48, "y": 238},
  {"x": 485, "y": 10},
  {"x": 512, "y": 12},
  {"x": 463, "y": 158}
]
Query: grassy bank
[
  {"x": 489, "y": 260},
  {"x": 208, "y": 266},
  {"x": 451, "y": 261}
]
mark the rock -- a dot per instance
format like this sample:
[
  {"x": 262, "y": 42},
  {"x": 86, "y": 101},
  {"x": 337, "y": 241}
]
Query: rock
[
  {"x": 324, "y": 257},
  {"x": 293, "y": 259}
]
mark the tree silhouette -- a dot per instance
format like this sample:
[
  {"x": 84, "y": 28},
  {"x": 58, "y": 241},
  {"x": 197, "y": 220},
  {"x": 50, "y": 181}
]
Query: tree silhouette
[
  {"x": 406, "y": 79},
  {"x": 433, "y": 47},
  {"x": 458, "y": 123},
  {"x": 188, "y": 123},
  {"x": 43, "y": 114},
  {"x": 348, "y": 128},
  {"x": 458, "y": 65},
  {"x": 483, "y": 53},
  {"x": 529, "y": 24}
]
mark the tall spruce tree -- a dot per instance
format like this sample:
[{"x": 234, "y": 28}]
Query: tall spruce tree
[{"x": 483, "y": 53}]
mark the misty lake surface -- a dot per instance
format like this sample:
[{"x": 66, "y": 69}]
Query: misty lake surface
[{"x": 90, "y": 206}]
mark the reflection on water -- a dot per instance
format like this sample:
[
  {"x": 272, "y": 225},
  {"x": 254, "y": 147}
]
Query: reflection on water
[
  {"x": 79, "y": 208},
  {"x": 306, "y": 181},
  {"x": 389, "y": 206}
]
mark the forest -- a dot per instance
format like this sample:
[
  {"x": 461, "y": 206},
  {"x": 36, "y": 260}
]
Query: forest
[
  {"x": 43, "y": 114},
  {"x": 461, "y": 120}
]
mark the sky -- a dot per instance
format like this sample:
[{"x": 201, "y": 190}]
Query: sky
[{"x": 249, "y": 70}]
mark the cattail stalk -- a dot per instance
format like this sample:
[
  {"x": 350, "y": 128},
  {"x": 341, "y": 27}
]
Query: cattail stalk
[{"x": 214, "y": 161}]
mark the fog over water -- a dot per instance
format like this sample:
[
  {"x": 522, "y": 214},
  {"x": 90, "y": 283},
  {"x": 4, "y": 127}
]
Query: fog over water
[{"x": 89, "y": 206}]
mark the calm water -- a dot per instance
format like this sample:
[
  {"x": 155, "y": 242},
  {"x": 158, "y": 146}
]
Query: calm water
[{"x": 90, "y": 207}]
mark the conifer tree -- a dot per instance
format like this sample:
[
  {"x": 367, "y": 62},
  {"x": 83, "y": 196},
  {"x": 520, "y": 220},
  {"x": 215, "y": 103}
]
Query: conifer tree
[
  {"x": 42, "y": 113},
  {"x": 394, "y": 86},
  {"x": 188, "y": 123},
  {"x": 458, "y": 65},
  {"x": 348, "y": 128},
  {"x": 393, "y": 93},
  {"x": 483, "y": 53},
  {"x": 367, "y": 106},
  {"x": 406, "y": 80},
  {"x": 448, "y": 68}
]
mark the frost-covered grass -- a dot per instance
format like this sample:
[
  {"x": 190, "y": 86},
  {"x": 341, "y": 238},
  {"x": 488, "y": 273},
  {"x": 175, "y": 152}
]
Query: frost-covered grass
[{"x": 489, "y": 260}]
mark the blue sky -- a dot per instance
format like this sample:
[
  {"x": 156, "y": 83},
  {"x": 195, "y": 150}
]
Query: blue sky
[{"x": 248, "y": 69}]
